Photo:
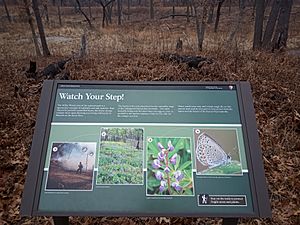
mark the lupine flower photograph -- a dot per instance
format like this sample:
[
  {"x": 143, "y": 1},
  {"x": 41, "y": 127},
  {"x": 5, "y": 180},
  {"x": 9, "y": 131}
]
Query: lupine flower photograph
[
  {"x": 120, "y": 158},
  {"x": 169, "y": 166}
]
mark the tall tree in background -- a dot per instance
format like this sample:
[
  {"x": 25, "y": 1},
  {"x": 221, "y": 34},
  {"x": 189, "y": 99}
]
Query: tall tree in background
[
  {"x": 90, "y": 10},
  {"x": 211, "y": 11},
  {"x": 45, "y": 6},
  {"x": 106, "y": 10},
  {"x": 40, "y": 26},
  {"x": 259, "y": 22},
  {"x": 238, "y": 22},
  {"x": 220, "y": 3},
  {"x": 281, "y": 33},
  {"x": 83, "y": 13},
  {"x": 6, "y": 10},
  {"x": 30, "y": 21},
  {"x": 151, "y": 9},
  {"x": 276, "y": 32},
  {"x": 119, "y": 9},
  {"x": 59, "y": 14},
  {"x": 201, "y": 21}
]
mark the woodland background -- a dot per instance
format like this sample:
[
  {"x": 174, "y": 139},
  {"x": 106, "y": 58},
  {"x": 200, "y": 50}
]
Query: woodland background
[{"x": 153, "y": 40}]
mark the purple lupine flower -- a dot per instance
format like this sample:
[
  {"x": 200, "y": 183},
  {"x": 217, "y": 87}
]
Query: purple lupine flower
[
  {"x": 159, "y": 175},
  {"x": 161, "y": 156},
  {"x": 170, "y": 146},
  {"x": 160, "y": 146},
  {"x": 178, "y": 175},
  {"x": 176, "y": 186},
  {"x": 173, "y": 159},
  {"x": 167, "y": 170},
  {"x": 156, "y": 164},
  {"x": 162, "y": 186}
]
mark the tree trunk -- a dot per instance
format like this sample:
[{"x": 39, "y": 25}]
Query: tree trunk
[
  {"x": 104, "y": 16},
  {"x": 151, "y": 10},
  {"x": 45, "y": 5},
  {"x": 203, "y": 23},
  {"x": 281, "y": 33},
  {"x": 269, "y": 31},
  {"x": 83, "y": 13},
  {"x": 59, "y": 15},
  {"x": 90, "y": 10},
  {"x": 201, "y": 26},
  {"x": 40, "y": 26},
  {"x": 198, "y": 28},
  {"x": 259, "y": 22},
  {"x": 173, "y": 9},
  {"x": 6, "y": 10},
  {"x": 229, "y": 7},
  {"x": 211, "y": 12},
  {"x": 30, "y": 21},
  {"x": 218, "y": 15},
  {"x": 188, "y": 12},
  {"x": 119, "y": 12},
  {"x": 237, "y": 26},
  {"x": 128, "y": 9},
  {"x": 109, "y": 13}
]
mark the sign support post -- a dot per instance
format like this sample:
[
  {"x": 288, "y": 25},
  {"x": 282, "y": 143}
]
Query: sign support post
[
  {"x": 60, "y": 220},
  {"x": 230, "y": 221}
]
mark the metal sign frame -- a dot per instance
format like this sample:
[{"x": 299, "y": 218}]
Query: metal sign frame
[{"x": 30, "y": 200}]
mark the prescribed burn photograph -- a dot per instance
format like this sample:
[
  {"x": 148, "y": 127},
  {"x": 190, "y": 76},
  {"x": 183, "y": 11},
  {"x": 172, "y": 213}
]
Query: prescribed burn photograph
[
  {"x": 120, "y": 157},
  {"x": 217, "y": 152},
  {"x": 169, "y": 166},
  {"x": 71, "y": 166}
]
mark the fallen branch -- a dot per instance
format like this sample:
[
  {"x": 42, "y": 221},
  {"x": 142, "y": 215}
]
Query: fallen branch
[
  {"x": 191, "y": 61},
  {"x": 174, "y": 15}
]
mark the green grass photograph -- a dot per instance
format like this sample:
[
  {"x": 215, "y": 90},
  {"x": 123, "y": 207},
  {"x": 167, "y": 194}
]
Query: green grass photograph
[{"x": 120, "y": 156}]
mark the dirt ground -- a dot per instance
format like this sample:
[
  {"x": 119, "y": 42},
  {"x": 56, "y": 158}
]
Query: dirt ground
[
  {"x": 59, "y": 178},
  {"x": 132, "y": 53}
]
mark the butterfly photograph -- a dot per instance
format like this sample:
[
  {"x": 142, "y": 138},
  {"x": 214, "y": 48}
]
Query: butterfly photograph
[{"x": 217, "y": 152}]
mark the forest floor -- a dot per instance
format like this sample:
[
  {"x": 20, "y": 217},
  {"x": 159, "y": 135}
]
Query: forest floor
[{"x": 132, "y": 53}]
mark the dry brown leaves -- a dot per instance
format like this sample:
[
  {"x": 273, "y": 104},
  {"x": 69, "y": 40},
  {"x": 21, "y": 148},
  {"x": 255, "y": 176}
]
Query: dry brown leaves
[{"x": 275, "y": 84}]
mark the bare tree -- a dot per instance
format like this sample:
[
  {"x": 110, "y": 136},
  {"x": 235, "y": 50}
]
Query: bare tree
[
  {"x": 45, "y": 6},
  {"x": 259, "y": 22},
  {"x": 188, "y": 10},
  {"x": 90, "y": 10},
  {"x": 119, "y": 7},
  {"x": 276, "y": 32},
  {"x": 281, "y": 33},
  {"x": 173, "y": 9},
  {"x": 83, "y": 13},
  {"x": 151, "y": 10},
  {"x": 128, "y": 9},
  {"x": 59, "y": 15},
  {"x": 238, "y": 23},
  {"x": 106, "y": 10},
  {"x": 201, "y": 25},
  {"x": 220, "y": 3},
  {"x": 211, "y": 11},
  {"x": 7, "y": 12},
  {"x": 30, "y": 21},
  {"x": 40, "y": 26}
]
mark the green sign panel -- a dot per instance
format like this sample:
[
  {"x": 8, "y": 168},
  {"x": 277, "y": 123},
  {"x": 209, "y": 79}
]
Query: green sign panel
[{"x": 150, "y": 149}]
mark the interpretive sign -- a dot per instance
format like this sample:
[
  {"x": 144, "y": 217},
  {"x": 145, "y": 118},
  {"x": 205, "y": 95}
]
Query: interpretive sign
[{"x": 145, "y": 149}]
